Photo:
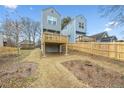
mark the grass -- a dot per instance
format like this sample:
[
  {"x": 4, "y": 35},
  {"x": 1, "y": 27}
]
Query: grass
[
  {"x": 24, "y": 53},
  {"x": 9, "y": 57},
  {"x": 18, "y": 82},
  {"x": 51, "y": 73},
  {"x": 7, "y": 50}
]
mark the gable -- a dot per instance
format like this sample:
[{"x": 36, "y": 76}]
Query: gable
[
  {"x": 51, "y": 19},
  {"x": 51, "y": 11},
  {"x": 100, "y": 35},
  {"x": 105, "y": 35}
]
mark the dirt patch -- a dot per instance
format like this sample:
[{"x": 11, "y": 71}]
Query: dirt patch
[
  {"x": 7, "y": 57},
  {"x": 94, "y": 75},
  {"x": 18, "y": 75}
]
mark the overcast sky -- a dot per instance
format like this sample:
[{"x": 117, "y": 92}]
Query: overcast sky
[{"x": 95, "y": 24}]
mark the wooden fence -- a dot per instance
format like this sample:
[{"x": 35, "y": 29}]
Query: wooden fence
[{"x": 113, "y": 50}]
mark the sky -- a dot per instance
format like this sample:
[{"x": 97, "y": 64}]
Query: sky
[{"x": 95, "y": 23}]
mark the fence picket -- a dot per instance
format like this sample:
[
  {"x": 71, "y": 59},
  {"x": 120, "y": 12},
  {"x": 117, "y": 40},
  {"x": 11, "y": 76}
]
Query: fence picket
[{"x": 112, "y": 49}]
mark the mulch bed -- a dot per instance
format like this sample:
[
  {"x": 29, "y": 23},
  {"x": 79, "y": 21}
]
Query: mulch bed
[{"x": 94, "y": 75}]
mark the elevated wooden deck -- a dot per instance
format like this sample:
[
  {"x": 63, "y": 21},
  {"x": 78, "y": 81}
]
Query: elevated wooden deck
[{"x": 54, "y": 38}]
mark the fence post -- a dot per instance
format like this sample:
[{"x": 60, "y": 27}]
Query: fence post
[
  {"x": 108, "y": 50},
  {"x": 91, "y": 47},
  {"x": 116, "y": 50}
]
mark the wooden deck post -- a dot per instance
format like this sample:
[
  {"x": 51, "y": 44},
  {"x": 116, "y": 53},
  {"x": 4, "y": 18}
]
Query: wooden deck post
[
  {"x": 60, "y": 49},
  {"x": 44, "y": 52},
  {"x": 66, "y": 49}
]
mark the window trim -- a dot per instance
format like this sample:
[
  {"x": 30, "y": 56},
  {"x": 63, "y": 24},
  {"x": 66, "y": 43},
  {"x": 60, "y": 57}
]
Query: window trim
[
  {"x": 52, "y": 19},
  {"x": 81, "y": 25}
]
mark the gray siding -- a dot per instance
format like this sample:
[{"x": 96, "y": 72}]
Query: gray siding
[
  {"x": 50, "y": 27},
  {"x": 51, "y": 12}
]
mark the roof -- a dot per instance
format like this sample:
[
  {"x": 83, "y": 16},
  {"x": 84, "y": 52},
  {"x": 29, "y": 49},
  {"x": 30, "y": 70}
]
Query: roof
[
  {"x": 53, "y": 9},
  {"x": 108, "y": 39},
  {"x": 26, "y": 42},
  {"x": 85, "y": 38},
  {"x": 99, "y": 35}
]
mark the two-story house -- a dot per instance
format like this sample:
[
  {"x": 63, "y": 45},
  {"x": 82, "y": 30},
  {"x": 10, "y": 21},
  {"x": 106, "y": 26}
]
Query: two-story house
[{"x": 76, "y": 28}]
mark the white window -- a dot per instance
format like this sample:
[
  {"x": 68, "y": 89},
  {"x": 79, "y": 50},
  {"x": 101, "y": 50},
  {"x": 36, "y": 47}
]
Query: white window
[{"x": 51, "y": 20}]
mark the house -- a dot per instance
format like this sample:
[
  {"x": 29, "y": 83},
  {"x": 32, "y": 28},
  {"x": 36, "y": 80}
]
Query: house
[
  {"x": 85, "y": 39},
  {"x": 51, "y": 21},
  {"x": 51, "y": 38},
  {"x": 76, "y": 28},
  {"x": 104, "y": 37},
  {"x": 109, "y": 39},
  {"x": 99, "y": 36},
  {"x": 1, "y": 39},
  {"x": 8, "y": 40},
  {"x": 26, "y": 44}
]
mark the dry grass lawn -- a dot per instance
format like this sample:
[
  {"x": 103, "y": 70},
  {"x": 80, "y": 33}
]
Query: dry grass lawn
[
  {"x": 51, "y": 73},
  {"x": 14, "y": 72}
]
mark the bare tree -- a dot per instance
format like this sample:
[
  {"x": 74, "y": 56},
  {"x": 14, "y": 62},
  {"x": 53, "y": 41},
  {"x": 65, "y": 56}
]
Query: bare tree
[
  {"x": 113, "y": 13},
  {"x": 35, "y": 30},
  {"x": 31, "y": 29},
  {"x": 7, "y": 27},
  {"x": 12, "y": 29},
  {"x": 17, "y": 27},
  {"x": 27, "y": 23}
]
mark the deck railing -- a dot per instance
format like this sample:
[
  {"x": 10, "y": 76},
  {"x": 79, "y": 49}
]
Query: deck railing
[{"x": 54, "y": 38}]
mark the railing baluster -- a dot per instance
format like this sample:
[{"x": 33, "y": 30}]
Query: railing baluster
[{"x": 54, "y": 38}]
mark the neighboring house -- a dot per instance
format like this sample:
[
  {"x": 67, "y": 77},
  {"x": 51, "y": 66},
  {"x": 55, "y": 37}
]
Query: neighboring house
[
  {"x": 26, "y": 44},
  {"x": 76, "y": 28},
  {"x": 8, "y": 40},
  {"x": 85, "y": 39},
  {"x": 1, "y": 39},
  {"x": 120, "y": 41},
  {"x": 109, "y": 39},
  {"x": 104, "y": 37}
]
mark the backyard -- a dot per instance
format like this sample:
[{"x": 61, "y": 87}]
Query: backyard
[
  {"x": 77, "y": 69},
  {"x": 14, "y": 72}
]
